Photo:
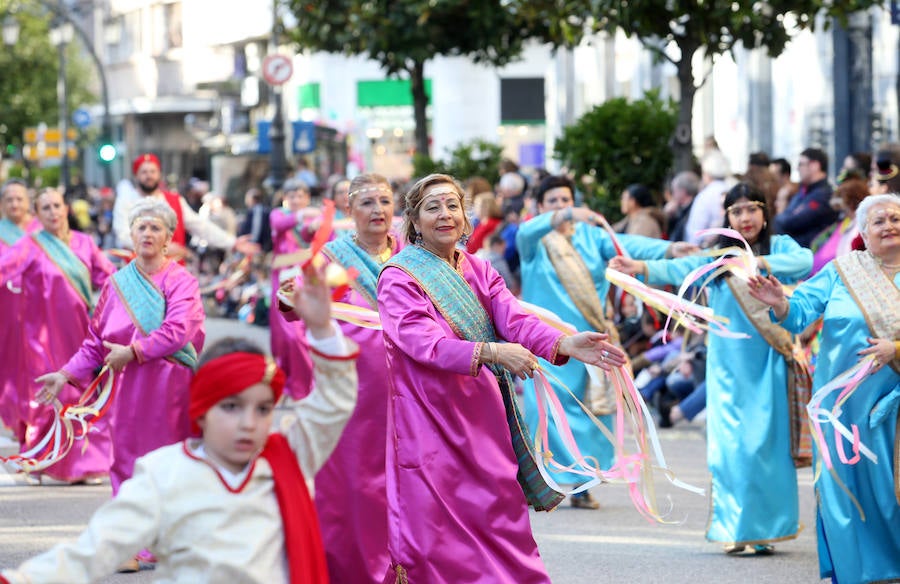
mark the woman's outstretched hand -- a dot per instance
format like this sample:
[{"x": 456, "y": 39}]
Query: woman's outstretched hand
[
  {"x": 51, "y": 385},
  {"x": 767, "y": 289},
  {"x": 312, "y": 302},
  {"x": 625, "y": 265},
  {"x": 593, "y": 348}
]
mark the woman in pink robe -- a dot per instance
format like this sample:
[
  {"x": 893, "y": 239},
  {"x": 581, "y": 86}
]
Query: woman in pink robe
[
  {"x": 153, "y": 370},
  {"x": 457, "y": 513},
  {"x": 288, "y": 337},
  {"x": 15, "y": 391},
  {"x": 350, "y": 488},
  {"x": 59, "y": 269}
]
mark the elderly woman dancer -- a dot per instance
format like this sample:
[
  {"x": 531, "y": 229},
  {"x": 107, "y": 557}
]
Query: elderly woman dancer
[
  {"x": 858, "y": 296},
  {"x": 15, "y": 387},
  {"x": 287, "y": 334},
  {"x": 456, "y": 472},
  {"x": 564, "y": 252},
  {"x": 350, "y": 488},
  {"x": 148, "y": 328},
  {"x": 750, "y": 413},
  {"x": 59, "y": 271}
]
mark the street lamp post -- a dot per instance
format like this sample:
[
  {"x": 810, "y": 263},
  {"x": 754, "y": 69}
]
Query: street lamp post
[
  {"x": 11, "y": 36},
  {"x": 278, "y": 161},
  {"x": 60, "y": 37}
]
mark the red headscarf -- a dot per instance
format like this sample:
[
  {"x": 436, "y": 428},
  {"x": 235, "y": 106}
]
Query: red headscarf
[
  {"x": 151, "y": 158},
  {"x": 231, "y": 374}
]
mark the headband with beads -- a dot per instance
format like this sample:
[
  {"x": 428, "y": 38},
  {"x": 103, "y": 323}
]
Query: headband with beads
[
  {"x": 444, "y": 189},
  {"x": 384, "y": 188}
]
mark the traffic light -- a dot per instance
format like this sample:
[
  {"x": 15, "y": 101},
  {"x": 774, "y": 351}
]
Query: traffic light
[{"x": 107, "y": 152}]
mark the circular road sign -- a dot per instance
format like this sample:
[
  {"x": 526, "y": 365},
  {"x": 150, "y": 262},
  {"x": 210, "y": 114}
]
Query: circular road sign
[{"x": 277, "y": 69}]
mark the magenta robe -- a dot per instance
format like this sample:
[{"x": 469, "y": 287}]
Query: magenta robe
[
  {"x": 350, "y": 488},
  {"x": 150, "y": 409},
  {"x": 15, "y": 392},
  {"x": 287, "y": 338},
  {"x": 456, "y": 513},
  {"x": 55, "y": 324}
]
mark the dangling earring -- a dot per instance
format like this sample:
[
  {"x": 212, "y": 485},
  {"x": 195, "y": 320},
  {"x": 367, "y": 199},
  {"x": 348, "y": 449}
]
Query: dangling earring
[
  {"x": 165, "y": 250},
  {"x": 418, "y": 240},
  {"x": 464, "y": 239},
  {"x": 765, "y": 224}
]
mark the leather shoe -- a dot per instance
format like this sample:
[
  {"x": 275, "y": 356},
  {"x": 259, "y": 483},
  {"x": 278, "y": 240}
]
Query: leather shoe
[{"x": 584, "y": 500}]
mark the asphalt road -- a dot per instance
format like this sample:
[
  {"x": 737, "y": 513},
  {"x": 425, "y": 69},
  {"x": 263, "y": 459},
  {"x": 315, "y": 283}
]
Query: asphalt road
[{"x": 612, "y": 544}]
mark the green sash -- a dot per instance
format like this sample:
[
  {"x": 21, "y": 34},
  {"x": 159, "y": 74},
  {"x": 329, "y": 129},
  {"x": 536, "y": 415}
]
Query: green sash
[
  {"x": 146, "y": 306},
  {"x": 68, "y": 263},
  {"x": 457, "y": 303},
  {"x": 345, "y": 252},
  {"x": 10, "y": 233}
]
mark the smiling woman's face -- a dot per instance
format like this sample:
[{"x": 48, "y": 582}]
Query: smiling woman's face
[{"x": 441, "y": 219}]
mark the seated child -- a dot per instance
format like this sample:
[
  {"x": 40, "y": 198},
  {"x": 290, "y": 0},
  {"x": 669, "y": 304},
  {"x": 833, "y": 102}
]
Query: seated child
[{"x": 234, "y": 505}]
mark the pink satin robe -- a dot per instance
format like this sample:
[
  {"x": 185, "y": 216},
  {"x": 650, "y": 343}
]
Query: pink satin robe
[
  {"x": 287, "y": 339},
  {"x": 15, "y": 392},
  {"x": 150, "y": 409},
  {"x": 456, "y": 513},
  {"x": 55, "y": 323},
  {"x": 350, "y": 488}
]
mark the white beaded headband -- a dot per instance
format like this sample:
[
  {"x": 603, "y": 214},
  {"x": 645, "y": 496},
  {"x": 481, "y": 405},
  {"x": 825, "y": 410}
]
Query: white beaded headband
[{"x": 383, "y": 188}]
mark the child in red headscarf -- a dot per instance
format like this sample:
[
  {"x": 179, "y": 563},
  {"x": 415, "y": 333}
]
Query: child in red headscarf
[{"x": 235, "y": 504}]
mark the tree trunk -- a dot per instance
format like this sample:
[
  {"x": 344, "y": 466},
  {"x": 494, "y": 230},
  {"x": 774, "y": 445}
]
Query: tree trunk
[
  {"x": 420, "y": 103},
  {"x": 683, "y": 141}
]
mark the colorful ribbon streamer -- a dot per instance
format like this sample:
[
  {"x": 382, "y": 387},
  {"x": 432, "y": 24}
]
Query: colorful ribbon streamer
[
  {"x": 635, "y": 468},
  {"x": 62, "y": 434}
]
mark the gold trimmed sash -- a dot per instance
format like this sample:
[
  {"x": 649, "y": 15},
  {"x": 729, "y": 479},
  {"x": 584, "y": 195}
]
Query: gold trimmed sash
[
  {"x": 799, "y": 380},
  {"x": 877, "y": 297},
  {"x": 575, "y": 277}
]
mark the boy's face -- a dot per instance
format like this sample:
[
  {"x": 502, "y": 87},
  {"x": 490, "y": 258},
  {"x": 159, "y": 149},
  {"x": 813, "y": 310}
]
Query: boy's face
[{"x": 236, "y": 428}]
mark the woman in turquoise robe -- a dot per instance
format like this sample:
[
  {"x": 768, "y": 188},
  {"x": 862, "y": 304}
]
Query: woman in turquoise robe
[
  {"x": 754, "y": 481},
  {"x": 541, "y": 286},
  {"x": 855, "y": 547}
]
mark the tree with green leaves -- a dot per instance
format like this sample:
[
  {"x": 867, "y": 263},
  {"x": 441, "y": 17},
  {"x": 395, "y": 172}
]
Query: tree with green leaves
[
  {"x": 402, "y": 35},
  {"x": 29, "y": 70},
  {"x": 616, "y": 144},
  {"x": 714, "y": 27}
]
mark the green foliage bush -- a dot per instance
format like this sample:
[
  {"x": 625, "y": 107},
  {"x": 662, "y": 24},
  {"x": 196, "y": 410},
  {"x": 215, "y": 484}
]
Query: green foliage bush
[
  {"x": 616, "y": 144},
  {"x": 476, "y": 158}
]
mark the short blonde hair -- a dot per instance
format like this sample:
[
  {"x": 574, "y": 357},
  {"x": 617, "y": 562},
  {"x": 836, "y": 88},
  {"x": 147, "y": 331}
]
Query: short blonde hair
[
  {"x": 416, "y": 196},
  {"x": 152, "y": 207}
]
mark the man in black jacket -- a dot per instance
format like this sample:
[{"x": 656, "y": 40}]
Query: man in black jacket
[{"x": 808, "y": 213}]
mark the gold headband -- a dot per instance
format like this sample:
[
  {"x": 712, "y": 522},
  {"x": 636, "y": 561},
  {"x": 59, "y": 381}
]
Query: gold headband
[
  {"x": 384, "y": 188},
  {"x": 759, "y": 204},
  {"x": 443, "y": 189}
]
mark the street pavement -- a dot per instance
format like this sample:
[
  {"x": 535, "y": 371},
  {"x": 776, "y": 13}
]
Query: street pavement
[{"x": 611, "y": 545}]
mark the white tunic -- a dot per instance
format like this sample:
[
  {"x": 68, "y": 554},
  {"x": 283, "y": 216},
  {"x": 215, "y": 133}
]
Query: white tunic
[{"x": 200, "y": 529}]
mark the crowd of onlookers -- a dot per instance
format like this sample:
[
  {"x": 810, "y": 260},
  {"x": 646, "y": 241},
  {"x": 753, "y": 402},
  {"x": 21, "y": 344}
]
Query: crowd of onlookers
[{"x": 815, "y": 213}]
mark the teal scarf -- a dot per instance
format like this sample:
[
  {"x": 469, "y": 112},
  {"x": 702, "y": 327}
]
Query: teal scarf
[
  {"x": 68, "y": 263},
  {"x": 457, "y": 303},
  {"x": 146, "y": 306},
  {"x": 10, "y": 233},
  {"x": 345, "y": 252}
]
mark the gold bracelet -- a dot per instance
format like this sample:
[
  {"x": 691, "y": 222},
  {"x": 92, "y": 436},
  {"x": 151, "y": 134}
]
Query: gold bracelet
[{"x": 897, "y": 350}]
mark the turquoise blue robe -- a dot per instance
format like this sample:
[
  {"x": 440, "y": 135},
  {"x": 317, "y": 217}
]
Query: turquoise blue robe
[
  {"x": 754, "y": 481},
  {"x": 851, "y": 549},
  {"x": 541, "y": 286}
]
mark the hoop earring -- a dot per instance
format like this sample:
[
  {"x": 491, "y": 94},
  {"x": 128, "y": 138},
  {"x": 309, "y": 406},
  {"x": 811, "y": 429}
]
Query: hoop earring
[{"x": 418, "y": 240}]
